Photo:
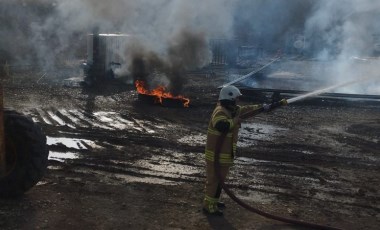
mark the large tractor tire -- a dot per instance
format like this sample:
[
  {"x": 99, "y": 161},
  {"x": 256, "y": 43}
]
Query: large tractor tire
[{"x": 26, "y": 154}]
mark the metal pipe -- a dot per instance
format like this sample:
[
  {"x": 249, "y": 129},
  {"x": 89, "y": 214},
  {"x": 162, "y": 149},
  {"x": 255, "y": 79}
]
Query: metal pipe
[{"x": 253, "y": 91}]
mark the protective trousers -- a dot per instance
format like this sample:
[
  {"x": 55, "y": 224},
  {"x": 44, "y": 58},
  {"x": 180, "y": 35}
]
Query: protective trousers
[{"x": 213, "y": 187}]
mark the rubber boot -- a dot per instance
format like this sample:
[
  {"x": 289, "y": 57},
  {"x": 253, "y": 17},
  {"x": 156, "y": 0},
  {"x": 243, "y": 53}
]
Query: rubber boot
[{"x": 210, "y": 206}]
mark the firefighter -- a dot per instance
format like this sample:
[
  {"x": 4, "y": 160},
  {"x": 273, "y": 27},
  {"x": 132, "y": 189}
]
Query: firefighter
[{"x": 225, "y": 119}]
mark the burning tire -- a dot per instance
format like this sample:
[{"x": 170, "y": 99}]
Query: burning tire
[{"x": 26, "y": 154}]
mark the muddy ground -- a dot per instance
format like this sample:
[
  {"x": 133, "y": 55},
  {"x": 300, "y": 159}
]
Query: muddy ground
[{"x": 119, "y": 163}]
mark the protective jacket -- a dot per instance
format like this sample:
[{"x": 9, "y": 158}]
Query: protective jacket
[{"x": 228, "y": 148}]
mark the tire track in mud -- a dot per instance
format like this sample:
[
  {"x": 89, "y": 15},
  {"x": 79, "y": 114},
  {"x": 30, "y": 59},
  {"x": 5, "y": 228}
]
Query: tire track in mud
[
  {"x": 74, "y": 121},
  {"x": 318, "y": 175},
  {"x": 82, "y": 119},
  {"x": 286, "y": 182},
  {"x": 131, "y": 149},
  {"x": 68, "y": 129}
]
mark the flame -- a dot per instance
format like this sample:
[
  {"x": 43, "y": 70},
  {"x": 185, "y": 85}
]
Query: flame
[{"x": 160, "y": 92}]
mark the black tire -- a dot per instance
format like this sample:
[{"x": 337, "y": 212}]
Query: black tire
[{"x": 26, "y": 154}]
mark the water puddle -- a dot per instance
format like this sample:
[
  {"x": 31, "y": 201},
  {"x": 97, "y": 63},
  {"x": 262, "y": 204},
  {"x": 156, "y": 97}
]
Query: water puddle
[
  {"x": 250, "y": 133},
  {"x": 169, "y": 169},
  {"x": 62, "y": 156},
  {"x": 42, "y": 183},
  {"x": 147, "y": 180},
  {"x": 307, "y": 152},
  {"x": 71, "y": 142},
  {"x": 101, "y": 119},
  {"x": 254, "y": 197},
  {"x": 193, "y": 140},
  {"x": 54, "y": 167},
  {"x": 109, "y": 118},
  {"x": 43, "y": 117},
  {"x": 167, "y": 166},
  {"x": 248, "y": 161},
  {"x": 56, "y": 118},
  {"x": 110, "y": 177},
  {"x": 76, "y": 122},
  {"x": 90, "y": 121}
]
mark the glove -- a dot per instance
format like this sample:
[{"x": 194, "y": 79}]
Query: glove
[{"x": 283, "y": 102}]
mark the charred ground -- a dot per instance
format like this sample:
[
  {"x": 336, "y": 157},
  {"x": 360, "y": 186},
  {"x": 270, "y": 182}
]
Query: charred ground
[{"x": 118, "y": 163}]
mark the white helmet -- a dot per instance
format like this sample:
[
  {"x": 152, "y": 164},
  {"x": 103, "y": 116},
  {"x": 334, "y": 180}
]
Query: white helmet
[{"x": 229, "y": 92}]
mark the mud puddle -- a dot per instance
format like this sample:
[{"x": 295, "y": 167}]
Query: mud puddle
[
  {"x": 66, "y": 144},
  {"x": 249, "y": 134}
]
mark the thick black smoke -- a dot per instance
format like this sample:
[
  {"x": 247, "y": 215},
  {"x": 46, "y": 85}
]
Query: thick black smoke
[{"x": 186, "y": 51}]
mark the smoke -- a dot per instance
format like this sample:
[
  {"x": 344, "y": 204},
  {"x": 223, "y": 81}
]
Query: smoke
[
  {"x": 343, "y": 32},
  {"x": 272, "y": 23},
  {"x": 185, "y": 51},
  {"x": 343, "y": 27},
  {"x": 174, "y": 33},
  {"x": 338, "y": 34},
  {"x": 172, "y": 36},
  {"x": 15, "y": 33}
]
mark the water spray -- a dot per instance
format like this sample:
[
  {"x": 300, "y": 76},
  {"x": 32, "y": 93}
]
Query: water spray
[
  {"x": 251, "y": 73},
  {"x": 320, "y": 91}
]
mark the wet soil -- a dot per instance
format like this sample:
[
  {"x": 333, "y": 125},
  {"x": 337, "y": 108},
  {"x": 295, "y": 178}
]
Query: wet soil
[{"x": 120, "y": 163}]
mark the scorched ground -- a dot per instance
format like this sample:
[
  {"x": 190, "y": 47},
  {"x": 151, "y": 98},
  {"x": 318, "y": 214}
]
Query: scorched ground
[{"x": 118, "y": 163}]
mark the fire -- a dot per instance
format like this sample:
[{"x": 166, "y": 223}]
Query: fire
[{"x": 160, "y": 93}]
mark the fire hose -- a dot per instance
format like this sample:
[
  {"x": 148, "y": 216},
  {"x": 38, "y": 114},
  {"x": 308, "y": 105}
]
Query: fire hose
[{"x": 245, "y": 205}]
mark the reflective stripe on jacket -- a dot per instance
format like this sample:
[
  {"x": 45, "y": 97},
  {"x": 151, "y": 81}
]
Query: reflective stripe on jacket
[{"x": 228, "y": 148}]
